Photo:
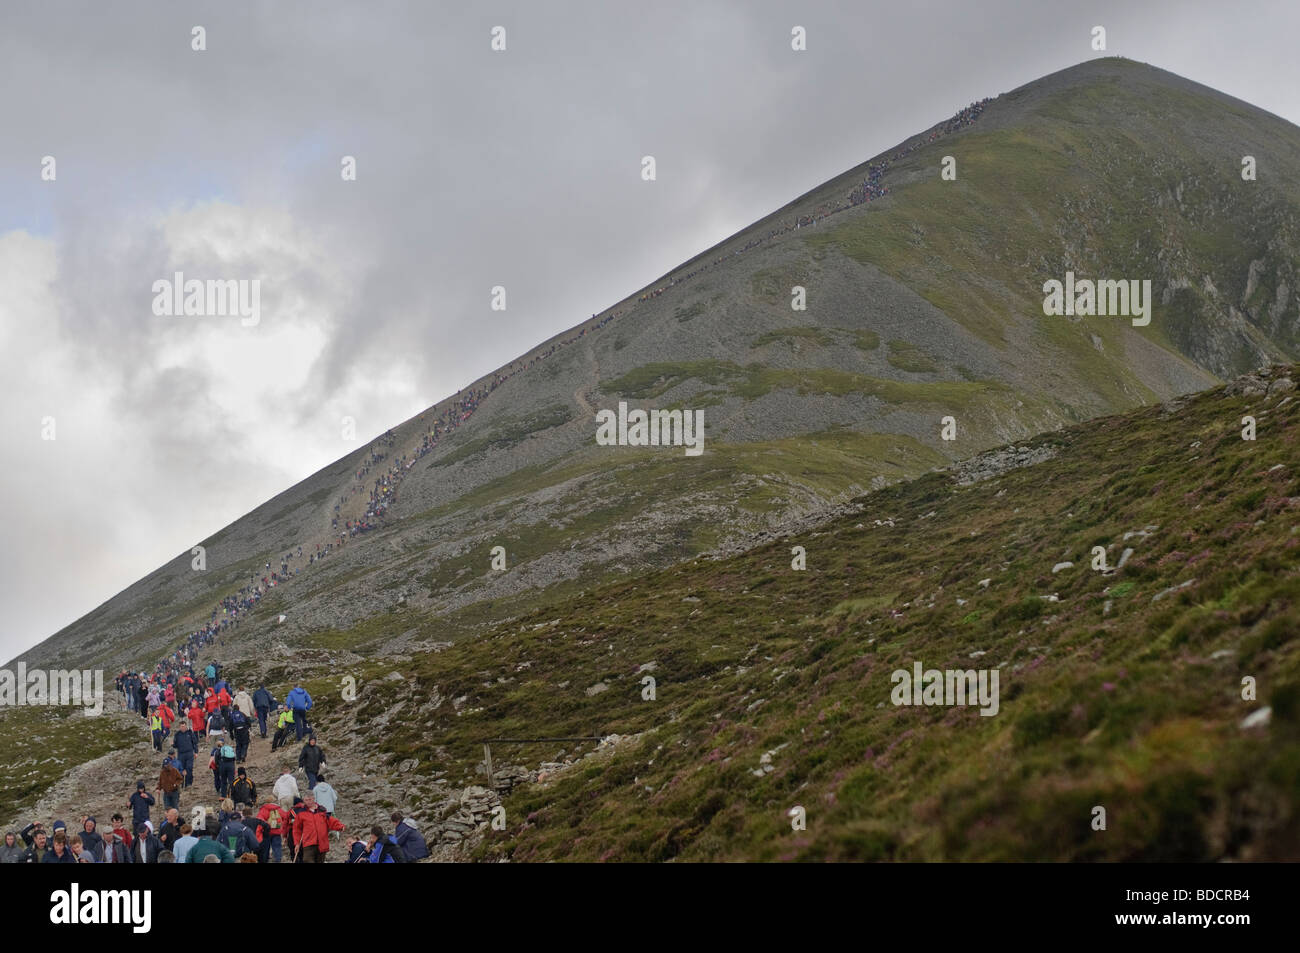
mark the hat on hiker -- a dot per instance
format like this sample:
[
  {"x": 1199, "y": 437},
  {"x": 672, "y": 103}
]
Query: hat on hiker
[
  {"x": 139, "y": 785},
  {"x": 142, "y": 827},
  {"x": 59, "y": 826}
]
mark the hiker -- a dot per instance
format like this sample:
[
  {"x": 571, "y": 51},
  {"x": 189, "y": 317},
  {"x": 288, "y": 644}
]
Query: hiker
[
  {"x": 139, "y": 803},
  {"x": 34, "y": 837},
  {"x": 59, "y": 853},
  {"x": 168, "y": 717},
  {"x": 223, "y": 760},
  {"x": 155, "y": 728},
  {"x": 311, "y": 831},
  {"x": 276, "y": 817},
  {"x": 243, "y": 791},
  {"x": 384, "y": 848},
  {"x": 357, "y": 851},
  {"x": 240, "y": 727},
  {"x": 216, "y": 723},
  {"x": 147, "y": 846},
  {"x": 208, "y": 846},
  {"x": 286, "y": 785},
  {"x": 11, "y": 852},
  {"x": 197, "y": 716},
  {"x": 244, "y": 702},
  {"x": 235, "y": 836},
  {"x": 310, "y": 760},
  {"x": 183, "y": 843},
  {"x": 263, "y": 702},
  {"x": 187, "y": 744},
  {"x": 121, "y": 830},
  {"x": 91, "y": 840},
  {"x": 116, "y": 850},
  {"x": 284, "y": 723},
  {"x": 170, "y": 780},
  {"x": 170, "y": 832},
  {"x": 326, "y": 796},
  {"x": 299, "y": 703},
  {"x": 80, "y": 854},
  {"x": 260, "y": 831},
  {"x": 409, "y": 837}
]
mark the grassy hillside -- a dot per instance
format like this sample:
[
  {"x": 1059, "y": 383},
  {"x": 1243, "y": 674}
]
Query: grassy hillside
[{"x": 1119, "y": 689}]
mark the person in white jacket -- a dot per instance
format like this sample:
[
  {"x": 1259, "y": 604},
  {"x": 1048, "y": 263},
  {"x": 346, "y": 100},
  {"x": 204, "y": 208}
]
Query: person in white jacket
[
  {"x": 286, "y": 785},
  {"x": 244, "y": 702}
]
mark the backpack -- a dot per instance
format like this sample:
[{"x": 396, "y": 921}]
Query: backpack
[
  {"x": 227, "y": 753},
  {"x": 232, "y": 835}
]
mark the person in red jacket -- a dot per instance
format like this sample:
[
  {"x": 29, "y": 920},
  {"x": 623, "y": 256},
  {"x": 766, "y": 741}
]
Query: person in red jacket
[
  {"x": 276, "y": 815},
  {"x": 168, "y": 716},
  {"x": 223, "y": 699},
  {"x": 198, "y": 717},
  {"x": 120, "y": 829},
  {"x": 210, "y": 703},
  {"x": 311, "y": 831}
]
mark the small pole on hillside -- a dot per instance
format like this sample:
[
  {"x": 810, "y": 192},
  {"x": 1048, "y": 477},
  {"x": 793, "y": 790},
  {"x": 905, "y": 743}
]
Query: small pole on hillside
[{"x": 487, "y": 763}]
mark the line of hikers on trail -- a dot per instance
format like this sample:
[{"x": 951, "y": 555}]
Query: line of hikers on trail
[
  {"x": 383, "y": 492},
  {"x": 247, "y": 826}
]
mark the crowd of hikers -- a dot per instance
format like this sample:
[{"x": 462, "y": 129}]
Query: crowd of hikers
[{"x": 190, "y": 708}]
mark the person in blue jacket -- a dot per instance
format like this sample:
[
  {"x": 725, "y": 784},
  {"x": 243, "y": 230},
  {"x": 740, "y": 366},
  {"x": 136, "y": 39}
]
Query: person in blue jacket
[
  {"x": 187, "y": 745},
  {"x": 140, "y": 802},
  {"x": 409, "y": 838},
  {"x": 383, "y": 848},
  {"x": 263, "y": 702},
  {"x": 300, "y": 702}
]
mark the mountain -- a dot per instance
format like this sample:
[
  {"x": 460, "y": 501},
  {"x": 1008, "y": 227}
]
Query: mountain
[
  {"x": 925, "y": 299},
  {"x": 924, "y": 302}
]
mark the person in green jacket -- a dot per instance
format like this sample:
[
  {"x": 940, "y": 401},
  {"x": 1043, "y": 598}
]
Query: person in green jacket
[
  {"x": 208, "y": 844},
  {"x": 284, "y": 725},
  {"x": 156, "y": 728}
]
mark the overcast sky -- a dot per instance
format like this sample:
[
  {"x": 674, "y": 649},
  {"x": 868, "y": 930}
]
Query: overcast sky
[{"x": 474, "y": 168}]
